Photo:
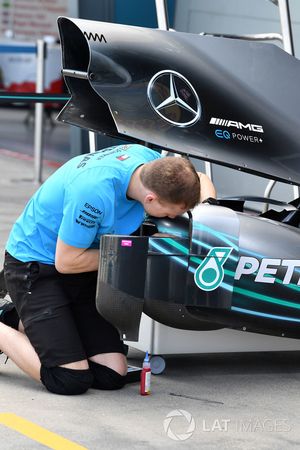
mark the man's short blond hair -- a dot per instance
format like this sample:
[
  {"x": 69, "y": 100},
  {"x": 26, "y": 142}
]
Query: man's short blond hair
[{"x": 173, "y": 180}]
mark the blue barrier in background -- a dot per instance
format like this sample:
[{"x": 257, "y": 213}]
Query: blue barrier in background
[{"x": 17, "y": 48}]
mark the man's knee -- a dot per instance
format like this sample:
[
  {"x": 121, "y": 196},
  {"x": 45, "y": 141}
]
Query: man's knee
[
  {"x": 61, "y": 380},
  {"x": 106, "y": 378}
]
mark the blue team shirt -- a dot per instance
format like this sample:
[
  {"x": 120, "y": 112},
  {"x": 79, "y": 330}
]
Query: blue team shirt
[{"x": 82, "y": 200}]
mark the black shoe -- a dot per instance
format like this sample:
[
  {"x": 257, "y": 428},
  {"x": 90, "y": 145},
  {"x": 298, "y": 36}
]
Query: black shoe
[
  {"x": 5, "y": 306},
  {"x": 3, "y": 290}
]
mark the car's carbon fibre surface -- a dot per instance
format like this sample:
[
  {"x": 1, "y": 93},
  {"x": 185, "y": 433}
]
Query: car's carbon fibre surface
[{"x": 236, "y": 103}]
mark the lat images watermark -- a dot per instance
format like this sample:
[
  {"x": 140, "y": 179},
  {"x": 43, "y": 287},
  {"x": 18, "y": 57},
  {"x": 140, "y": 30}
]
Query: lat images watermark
[
  {"x": 250, "y": 425},
  {"x": 189, "y": 423},
  {"x": 180, "y": 425}
]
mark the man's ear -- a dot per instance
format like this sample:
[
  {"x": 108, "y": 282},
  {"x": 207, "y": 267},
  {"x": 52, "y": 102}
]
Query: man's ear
[{"x": 150, "y": 197}]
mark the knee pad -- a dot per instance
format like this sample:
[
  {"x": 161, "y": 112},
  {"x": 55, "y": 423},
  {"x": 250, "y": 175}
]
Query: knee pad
[
  {"x": 106, "y": 378},
  {"x": 61, "y": 380}
]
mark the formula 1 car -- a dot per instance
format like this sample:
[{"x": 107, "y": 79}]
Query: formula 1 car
[{"x": 226, "y": 101}]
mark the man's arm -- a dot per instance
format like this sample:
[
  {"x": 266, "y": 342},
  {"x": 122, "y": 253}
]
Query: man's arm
[
  {"x": 207, "y": 187},
  {"x": 69, "y": 259}
]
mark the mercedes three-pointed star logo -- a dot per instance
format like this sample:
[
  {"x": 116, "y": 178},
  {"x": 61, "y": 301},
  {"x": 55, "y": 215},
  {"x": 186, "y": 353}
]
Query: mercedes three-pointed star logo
[{"x": 173, "y": 98}]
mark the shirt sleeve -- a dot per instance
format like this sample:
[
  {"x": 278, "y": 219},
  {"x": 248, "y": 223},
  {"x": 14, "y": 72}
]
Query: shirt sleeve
[{"x": 83, "y": 212}]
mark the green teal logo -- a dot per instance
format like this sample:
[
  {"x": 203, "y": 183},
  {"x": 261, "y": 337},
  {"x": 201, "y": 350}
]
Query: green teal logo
[{"x": 209, "y": 275}]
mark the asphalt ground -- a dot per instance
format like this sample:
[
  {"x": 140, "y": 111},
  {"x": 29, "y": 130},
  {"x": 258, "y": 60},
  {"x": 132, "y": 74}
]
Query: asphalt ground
[
  {"x": 204, "y": 401},
  {"x": 17, "y": 134}
]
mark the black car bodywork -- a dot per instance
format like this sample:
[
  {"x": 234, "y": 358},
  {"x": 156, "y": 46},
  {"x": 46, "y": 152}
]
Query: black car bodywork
[{"x": 227, "y": 101}]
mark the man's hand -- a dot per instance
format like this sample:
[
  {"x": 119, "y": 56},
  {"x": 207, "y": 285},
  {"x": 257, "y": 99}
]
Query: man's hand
[
  {"x": 69, "y": 259},
  {"x": 207, "y": 187}
]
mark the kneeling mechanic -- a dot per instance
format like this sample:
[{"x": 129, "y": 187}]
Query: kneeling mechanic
[{"x": 52, "y": 330}]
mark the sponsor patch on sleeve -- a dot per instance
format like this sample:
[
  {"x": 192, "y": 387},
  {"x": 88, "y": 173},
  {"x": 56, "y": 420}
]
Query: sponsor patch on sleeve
[{"x": 122, "y": 157}]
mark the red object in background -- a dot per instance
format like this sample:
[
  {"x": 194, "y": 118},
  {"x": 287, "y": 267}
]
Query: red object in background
[
  {"x": 25, "y": 86},
  {"x": 56, "y": 87}
]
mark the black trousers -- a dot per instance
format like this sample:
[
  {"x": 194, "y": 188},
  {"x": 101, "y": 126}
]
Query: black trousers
[{"x": 58, "y": 312}]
